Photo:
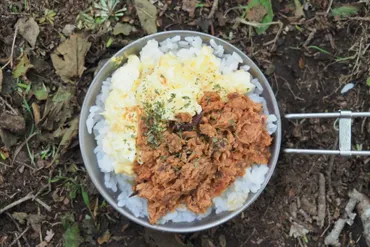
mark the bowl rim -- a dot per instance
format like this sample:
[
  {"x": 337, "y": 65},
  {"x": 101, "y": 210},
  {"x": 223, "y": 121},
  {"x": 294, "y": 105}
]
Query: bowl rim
[{"x": 104, "y": 191}]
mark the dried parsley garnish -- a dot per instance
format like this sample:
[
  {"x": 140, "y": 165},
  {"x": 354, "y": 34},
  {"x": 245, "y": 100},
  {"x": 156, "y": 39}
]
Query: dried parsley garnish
[{"x": 156, "y": 125}]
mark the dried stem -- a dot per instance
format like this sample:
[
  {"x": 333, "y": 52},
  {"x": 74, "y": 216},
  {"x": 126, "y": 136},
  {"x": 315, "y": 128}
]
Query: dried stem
[
  {"x": 214, "y": 8},
  {"x": 321, "y": 201}
]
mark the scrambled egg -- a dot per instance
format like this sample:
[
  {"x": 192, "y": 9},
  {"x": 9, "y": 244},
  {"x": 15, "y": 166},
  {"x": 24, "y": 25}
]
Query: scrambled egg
[{"x": 176, "y": 83}]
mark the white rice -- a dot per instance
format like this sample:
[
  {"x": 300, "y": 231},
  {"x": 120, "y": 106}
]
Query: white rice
[{"x": 237, "y": 193}]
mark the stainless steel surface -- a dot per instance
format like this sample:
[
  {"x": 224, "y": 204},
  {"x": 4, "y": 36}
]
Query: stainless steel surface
[
  {"x": 324, "y": 152},
  {"x": 87, "y": 141},
  {"x": 345, "y": 132},
  {"x": 325, "y": 115}
]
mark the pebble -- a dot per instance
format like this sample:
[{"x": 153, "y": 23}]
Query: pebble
[
  {"x": 68, "y": 29},
  {"x": 347, "y": 87}
]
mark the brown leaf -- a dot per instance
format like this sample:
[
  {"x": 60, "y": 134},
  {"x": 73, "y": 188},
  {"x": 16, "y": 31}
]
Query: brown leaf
[
  {"x": 301, "y": 62},
  {"x": 189, "y": 6},
  {"x": 35, "y": 221},
  {"x": 15, "y": 124},
  {"x": 29, "y": 30},
  {"x": 8, "y": 138},
  {"x": 125, "y": 227},
  {"x": 147, "y": 13},
  {"x": 69, "y": 57},
  {"x": 69, "y": 133},
  {"x": 256, "y": 13},
  {"x": 36, "y": 112},
  {"x": 58, "y": 109},
  {"x": 104, "y": 238}
]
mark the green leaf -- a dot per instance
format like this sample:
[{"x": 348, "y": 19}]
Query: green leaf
[
  {"x": 22, "y": 66},
  {"x": 267, "y": 18},
  {"x": 345, "y": 11},
  {"x": 319, "y": 49},
  {"x": 109, "y": 42},
  {"x": 40, "y": 91},
  {"x": 86, "y": 199},
  {"x": 368, "y": 81},
  {"x": 71, "y": 236}
]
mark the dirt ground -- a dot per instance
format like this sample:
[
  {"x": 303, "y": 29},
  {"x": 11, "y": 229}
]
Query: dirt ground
[{"x": 311, "y": 57}]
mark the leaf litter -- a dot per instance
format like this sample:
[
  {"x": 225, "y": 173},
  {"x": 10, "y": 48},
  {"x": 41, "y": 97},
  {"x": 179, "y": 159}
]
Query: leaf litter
[
  {"x": 22, "y": 66},
  {"x": 71, "y": 236},
  {"x": 69, "y": 57},
  {"x": 29, "y": 29},
  {"x": 59, "y": 108},
  {"x": 147, "y": 13},
  {"x": 189, "y": 6},
  {"x": 123, "y": 28}
]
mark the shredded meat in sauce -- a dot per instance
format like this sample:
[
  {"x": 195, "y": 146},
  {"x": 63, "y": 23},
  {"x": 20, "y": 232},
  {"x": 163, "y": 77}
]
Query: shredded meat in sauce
[{"x": 193, "y": 165}]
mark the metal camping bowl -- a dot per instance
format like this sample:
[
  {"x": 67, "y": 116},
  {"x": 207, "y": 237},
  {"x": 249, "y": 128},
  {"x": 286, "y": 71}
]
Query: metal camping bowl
[{"x": 88, "y": 143}]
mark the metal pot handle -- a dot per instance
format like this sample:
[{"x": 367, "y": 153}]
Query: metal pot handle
[{"x": 345, "y": 131}]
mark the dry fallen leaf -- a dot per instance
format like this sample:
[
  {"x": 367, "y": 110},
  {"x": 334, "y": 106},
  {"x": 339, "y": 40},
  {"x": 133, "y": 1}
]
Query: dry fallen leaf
[
  {"x": 256, "y": 13},
  {"x": 147, "y": 13},
  {"x": 298, "y": 9},
  {"x": 301, "y": 62},
  {"x": 23, "y": 65},
  {"x": 49, "y": 235},
  {"x": 297, "y": 230},
  {"x": 104, "y": 238},
  {"x": 59, "y": 108},
  {"x": 36, "y": 112},
  {"x": 20, "y": 217},
  {"x": 35, "y": 221},
  {"x": 189, "y": 6},
  {"x": 42, "y": 244},
  {"x": 68, "y": 134},
  {"x": 123, "y": 28},
  {"x": 69, "y": 57},
  {"x": 15, "y": 124},
  {"x": 29, "y": 30}
]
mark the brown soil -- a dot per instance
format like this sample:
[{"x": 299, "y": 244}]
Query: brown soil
[{"x": 304, "y": 80}]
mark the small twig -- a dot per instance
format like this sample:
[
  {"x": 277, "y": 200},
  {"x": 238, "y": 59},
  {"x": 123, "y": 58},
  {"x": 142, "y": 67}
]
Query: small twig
[
  {"x": 19, "y": 229},
  {"x": 329, "y": 7},
  {"x": 213, "y": 9},
  {"x": 321, "y": 201},
  {"x": 256, "y": 24},
  {"x": 310, "y": 37},
  {"x": 250, "y": 236},
  {"x": 295, "y": 96},
  {"x": 23, "y": 199},
  {"x": 47, "y": 207},
  {"x": 9, "y": 106},
  {"x": 12, "y": 50},
  {"x": 20, "y": 235},
  {"x": 356, "y": 66},
  {"x": 21, "y": 146},
  {"x": 276, "y": 37},
  {"x": 24, "y": 164}
]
